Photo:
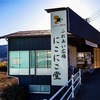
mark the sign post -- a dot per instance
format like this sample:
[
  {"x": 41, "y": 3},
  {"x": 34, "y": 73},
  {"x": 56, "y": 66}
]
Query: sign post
[{"x": 59, "y": 48}]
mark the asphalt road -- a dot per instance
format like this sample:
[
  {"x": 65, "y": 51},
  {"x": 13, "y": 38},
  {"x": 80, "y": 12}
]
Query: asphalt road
[{"x": 90, "y": 88}]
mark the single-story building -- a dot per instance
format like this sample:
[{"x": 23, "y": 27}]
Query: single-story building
[{"x": 29, "y": 53}]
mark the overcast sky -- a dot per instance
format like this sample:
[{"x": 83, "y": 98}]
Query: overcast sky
[{"x": 22, "y": 15}]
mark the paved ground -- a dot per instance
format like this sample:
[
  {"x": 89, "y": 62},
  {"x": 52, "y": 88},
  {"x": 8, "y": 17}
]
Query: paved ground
[{"x": 90, "y": 88}]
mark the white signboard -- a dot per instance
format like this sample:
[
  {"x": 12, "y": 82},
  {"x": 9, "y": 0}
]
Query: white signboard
[
  {"x": 91, "y": 43},
  {"x": 59, "y": 48}
]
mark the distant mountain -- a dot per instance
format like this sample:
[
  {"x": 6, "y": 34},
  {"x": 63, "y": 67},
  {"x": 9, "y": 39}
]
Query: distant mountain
[{"x": 3, "y": 52}]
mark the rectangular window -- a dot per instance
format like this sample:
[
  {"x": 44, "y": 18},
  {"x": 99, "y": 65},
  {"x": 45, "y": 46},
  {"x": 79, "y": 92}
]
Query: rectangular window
[
  {"x": 43, "y": 59},
  {"x": 19, "y": 62},
  {"x": 43, "y": 62},
  {"x": 45, "y": 88},
  {"x": 82, "y": 56},
  {"x": 39, "y": 89},
  {"x": 38, "y": 61}
]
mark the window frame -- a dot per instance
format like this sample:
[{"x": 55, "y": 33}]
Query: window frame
[
  {"x": 39, "y": 87},
  {"x": 31, "y": 70},
  {"x": 19, "y": 70}
]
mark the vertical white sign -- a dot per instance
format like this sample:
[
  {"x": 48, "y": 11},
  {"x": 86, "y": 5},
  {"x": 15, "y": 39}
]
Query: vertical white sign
[{"x": 59, "y": 48}]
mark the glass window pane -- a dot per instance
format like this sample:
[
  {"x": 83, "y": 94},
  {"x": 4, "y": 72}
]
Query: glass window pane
[
  {"x": 34, "y": 88},
  {"x": 41, "y": 59},
  {"x": 24, "y": 59},
  {"x": 49, "y": 59},
  {"x": 13, "y": 56},
  {"x": 39, "y": 88},
  {"x": 32, "y": 62},
  {"x": 32, "y": 59},
  {"x": 45, "y": 88},
  {"x": 19, "y": 63}
]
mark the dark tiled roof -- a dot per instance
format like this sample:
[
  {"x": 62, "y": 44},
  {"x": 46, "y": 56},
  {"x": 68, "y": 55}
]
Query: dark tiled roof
[{"x": 28, "y": 33}]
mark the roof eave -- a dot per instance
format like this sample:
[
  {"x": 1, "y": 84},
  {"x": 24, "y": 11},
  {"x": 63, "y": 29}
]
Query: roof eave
[{"x": 55, "y": 9}]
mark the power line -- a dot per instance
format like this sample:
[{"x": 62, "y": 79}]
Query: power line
[
  {"x": 95, "y": 13},
  {"x": 94, "y": 16}
]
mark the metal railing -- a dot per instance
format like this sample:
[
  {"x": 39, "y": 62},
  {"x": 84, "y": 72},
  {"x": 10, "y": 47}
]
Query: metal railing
[{"x": 75, "y": 83}]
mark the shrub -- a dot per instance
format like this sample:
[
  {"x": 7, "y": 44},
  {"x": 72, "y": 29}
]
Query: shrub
[
  {"x": 3, "y": 64},
  {"x": 14, "y": 93}
]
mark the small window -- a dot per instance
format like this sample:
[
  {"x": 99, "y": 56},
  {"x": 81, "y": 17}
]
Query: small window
[
  {"x": 82, "y": 56},
  {"x": 39, "y": 88},
  {"x": 45, "y": 88}
]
